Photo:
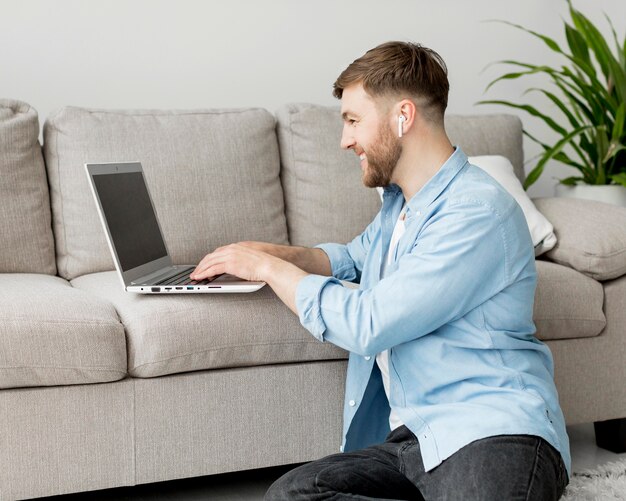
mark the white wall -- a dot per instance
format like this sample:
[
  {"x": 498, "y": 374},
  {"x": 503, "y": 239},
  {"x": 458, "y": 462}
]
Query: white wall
[{"x": 193, "y": 53}]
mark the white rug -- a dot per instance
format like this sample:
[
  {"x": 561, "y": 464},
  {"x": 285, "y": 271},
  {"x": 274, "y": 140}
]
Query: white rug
[{"x": 605, "y": 483}]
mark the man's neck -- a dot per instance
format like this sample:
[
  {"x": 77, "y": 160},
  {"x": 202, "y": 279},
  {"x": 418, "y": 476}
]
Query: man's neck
[{"x": 421, "y": 159}]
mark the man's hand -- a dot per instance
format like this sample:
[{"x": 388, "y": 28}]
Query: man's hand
[
  {"x": 249, "y": 263},
  {"x": 311, "y": 260},
  {"x": 236, "y": 259}
]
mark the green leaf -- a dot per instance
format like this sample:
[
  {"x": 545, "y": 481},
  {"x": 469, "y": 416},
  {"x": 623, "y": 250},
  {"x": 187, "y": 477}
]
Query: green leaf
[
  {"x": 620, "y": 178},
  {"x": 602, "y": 144},
  {"x": 571, "y": 181},
  {"x": 620, "y": 54},
  {"x": 613, "y": 149},
  {"x": 580, "y": 108},
  {"x": 548, "y": 155},
  {"x": 547, "y": 40},
  {"x": 587, "y": 144},
  {"x": 618, "y": 127},
  {"x": 559, "y": 104},
  {"x": 532, "y": 110},
  {"x": 514, "y": 75},
  {"x": 585, "y": 167},
  {"x": 577, "y": 44},
  {"x": 598, "y": 102},
  {"x": 610, "y": 66},
  {"x": 585, "y": 30}
]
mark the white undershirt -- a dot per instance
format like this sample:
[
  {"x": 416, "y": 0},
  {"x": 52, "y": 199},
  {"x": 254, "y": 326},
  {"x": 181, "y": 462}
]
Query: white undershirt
[{"x": 382, "y": 359}]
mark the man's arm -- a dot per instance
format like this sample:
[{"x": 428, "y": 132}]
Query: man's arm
[
  {"x": 284, "y": 266},
  {"x": 310, "y": 260},
  {"x": 248, "y": 262},
  {"x": 464, "y": 256}
]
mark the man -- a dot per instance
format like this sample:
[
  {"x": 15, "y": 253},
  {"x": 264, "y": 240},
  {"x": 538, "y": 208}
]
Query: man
[{"x": 448, "y": 395}]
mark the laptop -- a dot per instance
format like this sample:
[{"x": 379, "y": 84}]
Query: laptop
[{"x": 135, "y": 238}]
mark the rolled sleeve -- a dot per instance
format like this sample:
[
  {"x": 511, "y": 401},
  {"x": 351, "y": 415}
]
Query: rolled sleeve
[
  {"x": 308, "y": 297},
  {"x": 341, "y": 262}
]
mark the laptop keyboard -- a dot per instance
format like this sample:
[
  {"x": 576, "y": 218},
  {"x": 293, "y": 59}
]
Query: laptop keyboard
[{"x": 183, "y": 279}]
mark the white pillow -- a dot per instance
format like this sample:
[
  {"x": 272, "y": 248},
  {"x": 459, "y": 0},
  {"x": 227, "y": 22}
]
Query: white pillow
[{"x": 501, "y": 169}]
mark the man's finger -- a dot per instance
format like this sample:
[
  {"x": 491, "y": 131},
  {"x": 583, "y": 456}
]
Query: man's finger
[
  {"x": 202, "y": 266},
  {"x": 209, "y": 271}
]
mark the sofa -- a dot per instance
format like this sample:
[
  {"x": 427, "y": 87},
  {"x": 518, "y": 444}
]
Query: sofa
[{"x": 101, "y": 388}]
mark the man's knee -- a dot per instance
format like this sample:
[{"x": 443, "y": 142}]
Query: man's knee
[{"x": 296, "y": 484}]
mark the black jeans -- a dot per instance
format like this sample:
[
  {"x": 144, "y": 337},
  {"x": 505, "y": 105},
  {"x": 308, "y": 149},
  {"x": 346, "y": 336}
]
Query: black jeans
[{"x": 500, "y": 468}]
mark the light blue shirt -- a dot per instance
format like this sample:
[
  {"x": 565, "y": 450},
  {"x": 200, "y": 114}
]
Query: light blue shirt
[{"x": 455, "y": 311}]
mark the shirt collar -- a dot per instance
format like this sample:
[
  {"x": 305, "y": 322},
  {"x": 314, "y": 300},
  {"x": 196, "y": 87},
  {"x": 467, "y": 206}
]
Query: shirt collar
[{"x": 435, "y": 185}]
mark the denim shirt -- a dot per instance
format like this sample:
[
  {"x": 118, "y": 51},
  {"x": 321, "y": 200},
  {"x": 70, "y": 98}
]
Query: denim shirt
[{"x": 455, "y": 311}]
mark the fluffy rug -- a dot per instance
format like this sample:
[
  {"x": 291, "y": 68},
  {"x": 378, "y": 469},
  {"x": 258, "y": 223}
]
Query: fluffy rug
[{"x": 605, "y": 483}]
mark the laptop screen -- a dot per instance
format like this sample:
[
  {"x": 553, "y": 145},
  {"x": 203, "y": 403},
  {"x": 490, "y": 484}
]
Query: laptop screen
[{"x": 130, "y": 217}]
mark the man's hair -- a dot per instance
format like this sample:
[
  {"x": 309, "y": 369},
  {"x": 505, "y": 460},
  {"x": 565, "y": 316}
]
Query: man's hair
[{"x": 397, "y": 68}]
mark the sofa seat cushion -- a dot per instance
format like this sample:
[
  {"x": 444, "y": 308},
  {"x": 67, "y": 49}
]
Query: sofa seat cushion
[
  {"x": 568, "y": 304},
  {"x": 168, "y": 334},
  {"x": 26, "y": 242},
  {"x": 52, "y": 334},
  {"x": 213, "y": 176}
]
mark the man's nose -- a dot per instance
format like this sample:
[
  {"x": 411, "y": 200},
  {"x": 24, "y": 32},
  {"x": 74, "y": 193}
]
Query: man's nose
[{"x": 347, "y": 140}]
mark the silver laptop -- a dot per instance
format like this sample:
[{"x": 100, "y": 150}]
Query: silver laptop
[{"x": 135, "y": 238}]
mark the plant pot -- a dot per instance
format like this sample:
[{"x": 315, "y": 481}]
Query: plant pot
[{"x": 608, "y": 193}]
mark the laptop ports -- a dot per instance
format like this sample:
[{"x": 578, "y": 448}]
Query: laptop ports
[{"x": 156, "y": 289}]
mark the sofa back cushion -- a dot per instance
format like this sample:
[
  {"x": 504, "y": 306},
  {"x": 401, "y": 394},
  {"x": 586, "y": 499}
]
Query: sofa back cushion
[
  {"x": 325, "y": 199},
  {"x": 27, "y": 244},
  {"x": 213, "y": 176}
]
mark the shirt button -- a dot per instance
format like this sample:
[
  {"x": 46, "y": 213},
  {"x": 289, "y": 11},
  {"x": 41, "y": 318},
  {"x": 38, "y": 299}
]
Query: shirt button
[
  {"x": 351, "y": 403},
  {"x": 368, "y": 357}
]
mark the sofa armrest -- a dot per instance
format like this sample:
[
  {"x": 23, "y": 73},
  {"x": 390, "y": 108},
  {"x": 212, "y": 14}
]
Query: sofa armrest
[{"x": 591, "y": 236}]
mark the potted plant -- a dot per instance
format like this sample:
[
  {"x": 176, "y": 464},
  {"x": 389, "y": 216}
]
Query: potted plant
[{"x": 589, "y": 90}]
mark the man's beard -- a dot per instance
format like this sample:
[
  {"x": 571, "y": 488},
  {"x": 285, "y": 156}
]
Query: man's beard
[{"x": 382, "y": 159}]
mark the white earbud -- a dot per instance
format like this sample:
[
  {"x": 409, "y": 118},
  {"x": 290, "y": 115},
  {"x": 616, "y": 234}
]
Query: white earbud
[{"x": 401, "y": 120}]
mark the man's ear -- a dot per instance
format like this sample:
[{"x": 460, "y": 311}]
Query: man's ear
[{"x": 406, "y": 115}]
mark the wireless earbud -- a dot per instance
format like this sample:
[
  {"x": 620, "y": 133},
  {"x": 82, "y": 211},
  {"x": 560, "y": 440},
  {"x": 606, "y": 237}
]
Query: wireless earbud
[{"x": 401, "y": 120}]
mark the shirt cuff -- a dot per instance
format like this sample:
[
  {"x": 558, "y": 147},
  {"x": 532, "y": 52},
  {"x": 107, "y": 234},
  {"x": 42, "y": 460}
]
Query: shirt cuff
[
  {"x": 308, "y": 297},
  {"x": 341, "y": 264}
]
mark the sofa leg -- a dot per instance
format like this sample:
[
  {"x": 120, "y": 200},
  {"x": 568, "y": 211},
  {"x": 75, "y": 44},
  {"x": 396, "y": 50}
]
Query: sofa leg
[{"x": 611, "y": 434}]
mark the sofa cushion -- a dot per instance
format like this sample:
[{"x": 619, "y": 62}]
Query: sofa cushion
[
  {"x": 591, "y": 235},
  {"x": 325, "y": 199},
  {"x": 26, "y": 243},
  {"x": 168, "y": 334},
  {"x": 213, "y": 176},
  {"x": 498, "y": 134},
  {"x": 52, "y": 334},
  {"x": 568, "y": 304}
]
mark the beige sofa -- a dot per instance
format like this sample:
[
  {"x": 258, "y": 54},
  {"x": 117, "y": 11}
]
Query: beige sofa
[{"x": 101, "y": 388}]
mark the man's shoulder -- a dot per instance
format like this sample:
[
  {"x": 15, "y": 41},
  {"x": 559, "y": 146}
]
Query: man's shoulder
[{"x": 474, "y": 187}]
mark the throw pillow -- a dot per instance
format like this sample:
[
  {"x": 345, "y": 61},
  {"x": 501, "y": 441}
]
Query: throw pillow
[{"x": 592, "y": 236}]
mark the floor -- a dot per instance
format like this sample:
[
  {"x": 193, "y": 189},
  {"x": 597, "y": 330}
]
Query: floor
[{"x": 251, "y": 485}]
